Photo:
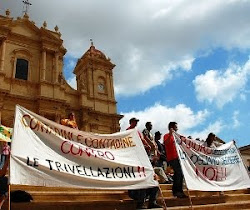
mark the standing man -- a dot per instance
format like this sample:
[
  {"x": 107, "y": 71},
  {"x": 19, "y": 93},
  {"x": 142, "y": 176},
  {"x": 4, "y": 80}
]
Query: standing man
[
  {"x": 140, "y": 195},
  {"x": 158, "y": 165},
  {"x": 173, "y": 160},
  {"x": 133, "y": 123},
  {"x": 147, "y": 135}
]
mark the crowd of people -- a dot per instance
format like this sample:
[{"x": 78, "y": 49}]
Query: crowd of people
[{"x": 163, "y": 157}]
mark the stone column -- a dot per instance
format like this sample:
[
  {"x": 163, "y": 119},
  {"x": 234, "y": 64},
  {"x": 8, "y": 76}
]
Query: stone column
[
  {"x": 1, "y": 108},
  {"x": 56, "y": 68},
  {"x": 108, "y": 85},
  {"x": 111, "y": 86},
  {"x": 43, "y": 64},
  {"x": 2, "y": 54}
]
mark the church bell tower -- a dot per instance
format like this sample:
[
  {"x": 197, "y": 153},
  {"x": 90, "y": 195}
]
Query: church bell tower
[{"x": 95, "y": 84}]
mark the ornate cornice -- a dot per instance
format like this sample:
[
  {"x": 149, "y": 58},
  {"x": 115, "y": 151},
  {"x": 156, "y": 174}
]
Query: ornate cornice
[
  {"x": 108, "y": 115},
  {"x": 103, "y": 100},
  {"x": 22, "y": 97},
  {"x": 24, "y": 41},
  {"x": 44, "y": 98},
  {"x": 21, "y": 82}
]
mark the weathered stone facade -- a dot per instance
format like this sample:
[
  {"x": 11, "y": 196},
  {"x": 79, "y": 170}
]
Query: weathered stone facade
[{"x": 44, "y": 89}]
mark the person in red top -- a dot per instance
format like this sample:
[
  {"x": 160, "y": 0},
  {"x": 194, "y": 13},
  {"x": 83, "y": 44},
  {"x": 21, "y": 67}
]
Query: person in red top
[{"x": 173, "y": 160}]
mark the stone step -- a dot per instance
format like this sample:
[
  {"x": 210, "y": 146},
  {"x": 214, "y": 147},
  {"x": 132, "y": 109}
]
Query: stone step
[
  {"x": 221, "y": 206},
  {"x": 168, "y": 193},
  {"x": 65, "y": 189},
  {"x": 76, "y": 196},
  {"x": 166, "y": 187},
  {"x": 49, "y": 198},
  {"x": 71, "y": 194},
  {"x": 103, "y": 205},
  {"x": 62, "y": 198},
  {"x": 171, "y": 201}
]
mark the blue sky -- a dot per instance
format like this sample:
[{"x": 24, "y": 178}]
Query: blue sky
[{"x": 184, "y": 60}]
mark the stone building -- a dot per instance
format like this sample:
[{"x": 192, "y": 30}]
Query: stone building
[
  {"x": 245, "y": 154},
  {"x": 31, "y": 75}
]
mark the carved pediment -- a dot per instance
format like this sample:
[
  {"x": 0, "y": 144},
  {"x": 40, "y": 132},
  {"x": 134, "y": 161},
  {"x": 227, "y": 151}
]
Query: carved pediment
[
  {"x": 25, "y": 28},
  {"x": 5, "y": 21},
  {"x": 50, "y": 35}
]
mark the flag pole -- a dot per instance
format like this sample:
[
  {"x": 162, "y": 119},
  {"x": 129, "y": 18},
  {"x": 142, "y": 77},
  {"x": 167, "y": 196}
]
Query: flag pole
[
  {"x": 162, "y": 198},
  {"x": 9, "y": 197},
  {"x": 190, "y": 200},
  {"x": 9, "y": 184}
]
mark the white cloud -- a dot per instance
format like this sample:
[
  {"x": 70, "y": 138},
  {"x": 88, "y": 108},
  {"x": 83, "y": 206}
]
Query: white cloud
[
  {"x": 215, "y": 127},
  {"x": 216, "y": 86},
  {"x": 161, "y": 115},
  {"x": 236, "y": 122},
  {"x": 147, "y": 40},
  {"x": 144, "y": 74}
]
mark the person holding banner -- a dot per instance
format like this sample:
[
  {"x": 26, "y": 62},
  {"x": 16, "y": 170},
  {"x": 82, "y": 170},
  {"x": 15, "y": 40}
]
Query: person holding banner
[
  {"x": 70, "y": 122},
  {"x": 147, "y": 135},
  {"x": 3, "y": 182},
  {"x": 140, "y": 195},
  {"x": 173, "y": 160},
  {"x": 133, "y": 123},
  {"x": 211, "y": 141}
]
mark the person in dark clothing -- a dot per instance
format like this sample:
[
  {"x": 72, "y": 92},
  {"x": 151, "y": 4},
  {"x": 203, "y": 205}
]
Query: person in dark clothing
[
  {"x": 173, "y": 160},
  {"x": 162, "y": 158},
  {"x": 140, "y": 195},
  {"x": 158, "y": 164},
  {"x": 3, "y": 182}
]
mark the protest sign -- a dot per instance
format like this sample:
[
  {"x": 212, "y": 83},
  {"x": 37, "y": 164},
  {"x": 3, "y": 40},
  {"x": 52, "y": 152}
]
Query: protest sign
[
  {"x": 45, "y": 153},
  {"x": 208, "y": 169}
]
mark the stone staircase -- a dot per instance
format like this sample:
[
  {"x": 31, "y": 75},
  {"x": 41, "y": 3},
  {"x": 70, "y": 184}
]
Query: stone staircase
[
  {"x": 237, "y": 199},
  {"x": 59, "y": 198},
  {"x": 76, "y": 199}
]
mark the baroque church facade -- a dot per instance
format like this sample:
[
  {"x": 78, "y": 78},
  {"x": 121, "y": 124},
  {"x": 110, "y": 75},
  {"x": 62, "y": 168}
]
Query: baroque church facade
[{"x": 31, "y": 75}]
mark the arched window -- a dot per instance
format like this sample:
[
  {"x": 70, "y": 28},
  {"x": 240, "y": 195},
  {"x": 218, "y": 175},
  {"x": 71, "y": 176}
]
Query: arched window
[{"x": 22, "y": 69}]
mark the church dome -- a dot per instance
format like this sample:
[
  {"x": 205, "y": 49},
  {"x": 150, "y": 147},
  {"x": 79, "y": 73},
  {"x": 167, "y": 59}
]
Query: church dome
[{"x": 93, "y": 52}]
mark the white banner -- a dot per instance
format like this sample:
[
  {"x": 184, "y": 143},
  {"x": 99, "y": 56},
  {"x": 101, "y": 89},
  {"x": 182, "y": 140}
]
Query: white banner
[
  {"x": 208, "y": 169},
  {"x": 44, "y": 153}
]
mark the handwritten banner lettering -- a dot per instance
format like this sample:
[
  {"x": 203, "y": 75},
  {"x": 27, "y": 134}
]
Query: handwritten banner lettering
[
  {"x": 45, "y": 153},
  {"x": 208, "y": 169}
]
